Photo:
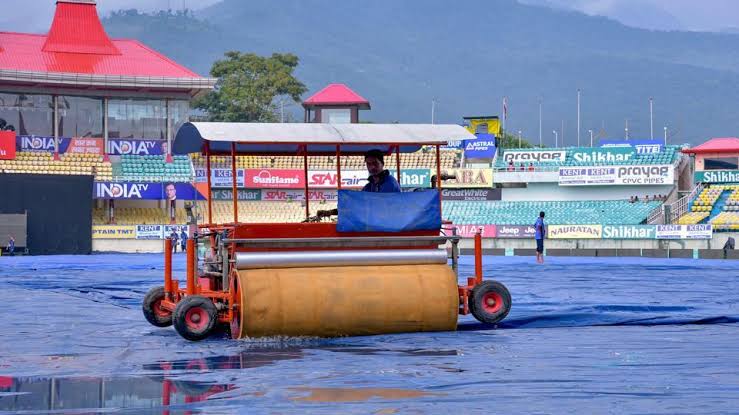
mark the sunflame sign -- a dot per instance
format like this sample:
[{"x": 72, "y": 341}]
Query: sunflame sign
[{"x": 274, "y": 179}]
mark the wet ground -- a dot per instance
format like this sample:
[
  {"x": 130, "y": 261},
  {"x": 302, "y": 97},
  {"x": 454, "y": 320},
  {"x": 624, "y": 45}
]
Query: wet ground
[{"x": 586, "y": 335}]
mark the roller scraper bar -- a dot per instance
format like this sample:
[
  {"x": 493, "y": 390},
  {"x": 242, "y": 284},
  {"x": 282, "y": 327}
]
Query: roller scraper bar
[{"x": 340, "y": 258}]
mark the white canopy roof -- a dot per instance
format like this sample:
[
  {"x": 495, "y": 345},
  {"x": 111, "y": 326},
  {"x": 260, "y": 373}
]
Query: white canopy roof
[{"x": 255, "y": 138}]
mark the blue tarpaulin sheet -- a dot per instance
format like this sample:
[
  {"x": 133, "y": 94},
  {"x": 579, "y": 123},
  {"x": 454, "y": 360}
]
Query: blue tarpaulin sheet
[{"x": 388, "y": 212}]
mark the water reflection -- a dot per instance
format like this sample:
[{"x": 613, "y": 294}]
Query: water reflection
[{"x": 77, "y": 393}]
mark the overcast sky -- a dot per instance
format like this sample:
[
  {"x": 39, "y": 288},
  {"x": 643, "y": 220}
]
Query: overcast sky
[{"x": 698, "y": 15}]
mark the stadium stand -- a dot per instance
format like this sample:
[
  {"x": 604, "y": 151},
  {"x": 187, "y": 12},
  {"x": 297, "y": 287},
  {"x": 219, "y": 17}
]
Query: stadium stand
[
  {"x": 668, "y": 156},
  {"x": 261, "y": 212},
  {"x": 606, "y": 212},
  {"x": 717, "y": 205},
  {"x": 153, "y": 169},
  {"x": 68, "y": 164},
  {"x": 426, "y": 158},
  {"x": 139, "y": 216}
]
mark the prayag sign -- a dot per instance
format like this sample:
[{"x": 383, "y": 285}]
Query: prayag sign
[
  {"x": 535, "y": 156},
  {"x": 629, "y": 231},
  {"x": 717, "y": 176},
  {"x": 617, "y": 175},
  {"x": 471, "y": 195},
  {"x": 604, "y": 155},
  {"x": 574, "y": 231},
  {"x": 469, "y": 178},
  {"x": 684, "y": 231}
]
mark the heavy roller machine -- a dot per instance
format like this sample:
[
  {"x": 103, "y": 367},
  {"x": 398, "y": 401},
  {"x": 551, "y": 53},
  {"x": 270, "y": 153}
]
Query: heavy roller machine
[{"x": 382, "y": 267}]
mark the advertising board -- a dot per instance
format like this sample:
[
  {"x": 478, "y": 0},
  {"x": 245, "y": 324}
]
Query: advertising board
[
  {"x": 113, "y": 232},
  {"x": 471, "y": 194},
  {"x": 535, "y": 156},
  {"x": 574, "y": 231},
  {"x": 243, "y": 194},
  {"x": 483, "y": 147},
  {"x": 274, "y": 179},
  {"x": 418, "y": 178},
  {"x": 469, "y": 231},
  {"x": 145, "y": 191},
  {"x": 684, "y": 231},
  {"x": 149, "y": 231},
  {"x": 220, "y": 178},
  {"x": 617, "y": 175},
  {"x": 120, "y": 146},
  {"x": 717, "y": 176},
  {"x": 278, "y": 195},
  {"x": 604, "y": 155},
  {"x": 516, "y": 231},
  {"x": 641, "y": 146},
  {"x": 469, "y": 178},
  {"x": 629, "y": 231},
  {"x": 328, "y": 179},
  {"x": 7, "y": 145}
]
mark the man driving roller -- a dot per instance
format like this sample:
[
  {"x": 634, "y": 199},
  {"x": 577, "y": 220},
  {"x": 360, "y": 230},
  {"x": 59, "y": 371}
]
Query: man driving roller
[{"x": 380, "y": 180}]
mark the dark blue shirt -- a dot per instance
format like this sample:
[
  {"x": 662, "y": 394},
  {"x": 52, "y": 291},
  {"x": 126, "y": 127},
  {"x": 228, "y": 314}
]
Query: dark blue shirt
[
  {"x": 540, "y": 228},
  {"x": 382, "y": 183}
]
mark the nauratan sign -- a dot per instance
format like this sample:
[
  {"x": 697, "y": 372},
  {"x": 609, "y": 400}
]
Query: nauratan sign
[
  {"x": 469, "y": 178},
  {"x": 574, "y": 231},
  {"x": 717, "y": 176}
]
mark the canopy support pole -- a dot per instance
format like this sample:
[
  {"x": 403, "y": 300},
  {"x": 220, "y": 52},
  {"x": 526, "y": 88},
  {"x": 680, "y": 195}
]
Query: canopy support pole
[
  {"x": 397, "y": 162},
  {"x": 338, "y": 167},
  {"x": 207, "y": 178},
  {"x": 234, "y": 189},
  {"x": 438, "y": 172},
  {"x": 305, "y": 172}
]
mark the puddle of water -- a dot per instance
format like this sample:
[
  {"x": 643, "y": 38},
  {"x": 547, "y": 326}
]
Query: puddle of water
[
  {"x": 356, "y": 394},
  {"x": 84, "y": 393}
]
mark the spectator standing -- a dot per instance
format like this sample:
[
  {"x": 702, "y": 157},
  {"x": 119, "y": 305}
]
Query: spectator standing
[
  {"x": 541, "y": 232},
  {"x": 511, "y": 167},
  {"x": 183, "y": 240},
  {"x": 173, "y": 238},
  {"x": 11, "y": 245}
]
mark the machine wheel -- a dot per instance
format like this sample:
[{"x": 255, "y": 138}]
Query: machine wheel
[
  {"x": 490, "y": 302},
  {"x": 195, "y": 317},
  {"x": 153, "y": 311},
  {"x": 235, "y": 326}
]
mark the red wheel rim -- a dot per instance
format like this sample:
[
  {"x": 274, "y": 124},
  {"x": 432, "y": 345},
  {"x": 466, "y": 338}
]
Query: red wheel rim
[
  {"x": 196, "y": 319},
  {"x": 235, "y": 300},
  {"x": 492, "y": 302},
  {"x": 160, "y": 311}
]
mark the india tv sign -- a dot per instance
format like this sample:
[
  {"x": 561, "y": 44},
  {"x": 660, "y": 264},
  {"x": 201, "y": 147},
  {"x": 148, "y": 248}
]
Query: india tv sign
[{"x": 717, "y": 176}]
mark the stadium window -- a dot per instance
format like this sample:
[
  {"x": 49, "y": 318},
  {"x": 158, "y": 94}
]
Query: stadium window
[
  {"x": 137, "y": 118},
  {"x": 179, "y": 111},
  {"x": 80, "y": 117},
  {"x": 481, "y": 128},
  {"x": 721, "y": 163},
  {"x": 336, "y": 116},
  {"x": 27, "y": 114}
]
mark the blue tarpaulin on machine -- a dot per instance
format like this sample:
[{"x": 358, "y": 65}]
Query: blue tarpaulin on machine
[{"x": 388, "y": 212}]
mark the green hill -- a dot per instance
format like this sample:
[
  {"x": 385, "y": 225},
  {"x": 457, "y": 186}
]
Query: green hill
[{"x": 467, "y": 55}]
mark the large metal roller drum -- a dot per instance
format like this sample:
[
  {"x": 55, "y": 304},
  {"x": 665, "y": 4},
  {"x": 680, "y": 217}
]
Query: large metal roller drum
[{"x": 349, "y": 300}]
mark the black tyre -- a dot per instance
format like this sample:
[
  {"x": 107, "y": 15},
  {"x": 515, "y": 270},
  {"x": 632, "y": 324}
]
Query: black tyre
[
  {"x": 152, "y": 308},
  {"x": 490, "y": 302},
  {"x": 195, "y": 317}
]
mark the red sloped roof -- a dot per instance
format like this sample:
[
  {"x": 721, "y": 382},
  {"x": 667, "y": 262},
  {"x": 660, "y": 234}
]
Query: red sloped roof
[
  {"x": 716, "y": 145},
  {"x": 336, "y": 94},
  {"x": 76, "y": 28},
  {"x": 78, "y": 44},
  {"x": 24, "y": 52}
]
